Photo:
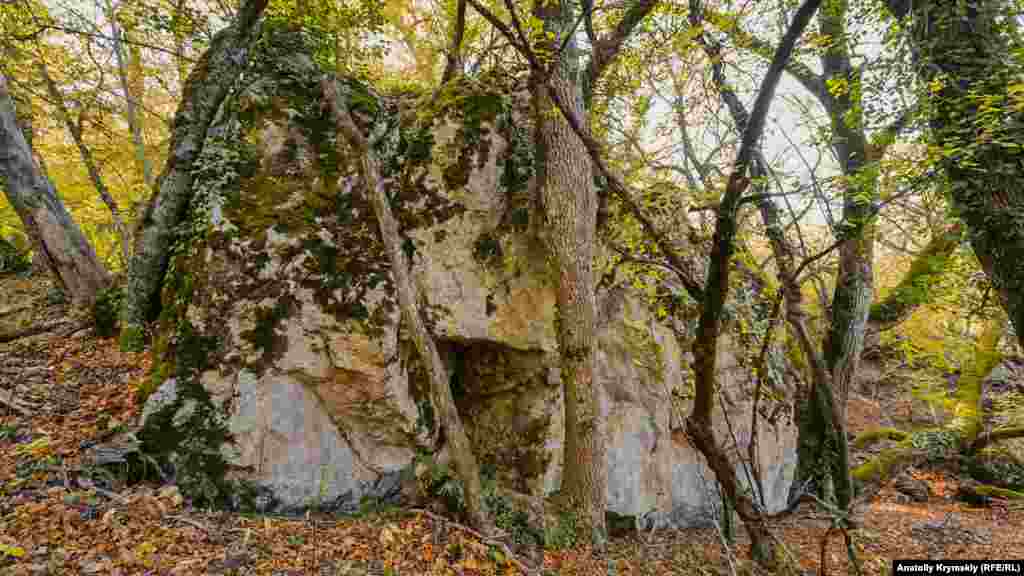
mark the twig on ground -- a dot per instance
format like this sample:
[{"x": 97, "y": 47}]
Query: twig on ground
[
  {"x": 485, "y": 539},
  {"x": 111, "y": 495},
  {"x": 189, "y": 521}
]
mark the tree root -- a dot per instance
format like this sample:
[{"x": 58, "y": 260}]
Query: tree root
[
  {"x": 983, "y": 494},
  {"x": 888, "y": 463},
  {"x": 875, "y": 436},
  {"x": 991, "y": 437}
]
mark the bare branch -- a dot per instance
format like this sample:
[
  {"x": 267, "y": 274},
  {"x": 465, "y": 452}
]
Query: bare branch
[
  {"x": 803, "y": 74},
  {"x": 716, "y": 288}
]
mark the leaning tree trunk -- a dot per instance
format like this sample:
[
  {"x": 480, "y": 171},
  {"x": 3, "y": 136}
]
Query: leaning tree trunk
[
  {"x": 75, "y": 129},
  {"x": 67, "y": 251},
  {"x": 570, "y": 211},
  {"x": 206, "y": 88},
  {"x": 408, "y": 299},
  {"x": 963, "y": 50}
]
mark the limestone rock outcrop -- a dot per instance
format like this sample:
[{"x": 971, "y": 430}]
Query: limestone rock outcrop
[{"x": 280, "y": 353}]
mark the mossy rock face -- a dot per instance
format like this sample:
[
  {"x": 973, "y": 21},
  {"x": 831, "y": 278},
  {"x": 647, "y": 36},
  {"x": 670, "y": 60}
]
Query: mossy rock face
[
  {"x": 280, "y": 327},
  {"x": 279, "y": 322}
]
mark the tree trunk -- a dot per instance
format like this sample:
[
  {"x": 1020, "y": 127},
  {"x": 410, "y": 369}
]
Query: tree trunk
[
  {"x": 570, "y": 211},
  {"x": 825, "y": 442},
  {"x": 178, "y": 27},
  {"x": 408, "y": 299},
  {"x": 964, "y": 51},
  {"x": 705, "y": 348},
  {"x": 75, "y": 129},
  {"x": 206, "y": 88},
  {"x": 67, "y": 251},
  {"x": 916, "y": 287},
  {"x": 965, "y": 428}
]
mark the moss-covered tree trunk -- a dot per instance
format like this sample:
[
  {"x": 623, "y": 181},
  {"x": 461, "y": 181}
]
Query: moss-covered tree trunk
[
  {"x": 823, "y": 450},
  {"x": 66, "y": 250},
  {"x": 409, "y": 299},
  {"x": 206, "y": 88},
  {"x": 962, "y": 436},
  {"x": 570, "y": 212}
]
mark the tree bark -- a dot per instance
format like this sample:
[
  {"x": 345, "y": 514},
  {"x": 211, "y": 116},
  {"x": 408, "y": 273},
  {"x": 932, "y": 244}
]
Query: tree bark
[
  {"x": 963, "y": 51},
  {"x": 699, "y": 424},
  {"x": 206, "y": 88},
  {"x": 67, "y": 251},
  {"x": 570, "y": 211},
  {"x": 75, "y": 129},
  {"x": 408, "y": 299}
]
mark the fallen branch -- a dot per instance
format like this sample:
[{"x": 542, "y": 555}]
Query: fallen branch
[
  {"x": 33, "y": 330},
  {"x": 871, "y": 437},
  {"x": 189, "y": 521},
  {"x": 994, "y": 436}
]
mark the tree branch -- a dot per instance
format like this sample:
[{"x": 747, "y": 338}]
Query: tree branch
[
  {"x": 608, "y": 48},
  {"x": 916, "y": 287},
  {"x": 698, "y": 425},
  {"x": 803, "y": 74}
]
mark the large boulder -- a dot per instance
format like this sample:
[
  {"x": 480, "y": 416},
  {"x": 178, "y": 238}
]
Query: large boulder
[{"x": 284, "y": 364}]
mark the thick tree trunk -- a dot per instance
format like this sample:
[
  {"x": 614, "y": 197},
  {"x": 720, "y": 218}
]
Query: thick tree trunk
[
  {"x": 964, "y": 49},
  {"x": 206, "y": 88},
  {"x": 67, "y": 251},
  {"x": 570, "y": 211},
  {"x": 408, "y": 299},
  {"x": 823, "y": 443},
  {"x": 75, "y": 129}
]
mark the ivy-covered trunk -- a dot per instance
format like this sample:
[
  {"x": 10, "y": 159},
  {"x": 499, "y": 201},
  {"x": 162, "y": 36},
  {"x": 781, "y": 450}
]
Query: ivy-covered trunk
[
  {"x": 66, "y": 250},
  {"x": 823, "y": 451},
  {"x": 570, "y": 210},
  {"x": 206, "y": 88},
  {"x": 967, "y": 62}
]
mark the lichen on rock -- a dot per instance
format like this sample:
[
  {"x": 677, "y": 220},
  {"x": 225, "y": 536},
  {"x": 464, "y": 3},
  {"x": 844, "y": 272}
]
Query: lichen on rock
[{"x": 280, "y": 330}]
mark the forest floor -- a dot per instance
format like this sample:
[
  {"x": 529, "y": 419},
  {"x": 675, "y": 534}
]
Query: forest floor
[{"x": 65, "y": 390}]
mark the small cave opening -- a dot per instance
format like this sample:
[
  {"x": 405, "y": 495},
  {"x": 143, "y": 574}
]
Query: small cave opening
[{"x": 506, "y": 403}]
